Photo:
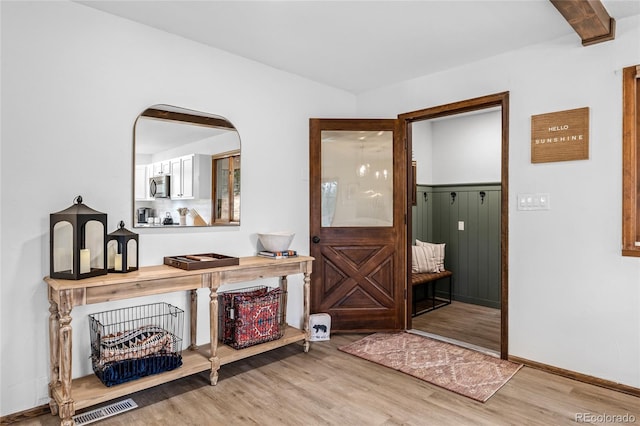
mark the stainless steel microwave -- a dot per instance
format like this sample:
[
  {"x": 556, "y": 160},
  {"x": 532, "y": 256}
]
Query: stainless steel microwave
[{"x": 159, "y": 186}]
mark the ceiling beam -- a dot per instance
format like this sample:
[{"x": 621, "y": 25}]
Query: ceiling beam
[{"x": 589, "y": 19}]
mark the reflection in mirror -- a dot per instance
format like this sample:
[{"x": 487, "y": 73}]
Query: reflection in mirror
[
  {"x": 226, "y": 188},
  {"x": 186, "y": 169}
]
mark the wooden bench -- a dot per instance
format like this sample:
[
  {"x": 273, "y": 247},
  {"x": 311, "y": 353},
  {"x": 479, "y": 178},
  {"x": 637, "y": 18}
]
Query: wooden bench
[{"x": 430, "y": 279}]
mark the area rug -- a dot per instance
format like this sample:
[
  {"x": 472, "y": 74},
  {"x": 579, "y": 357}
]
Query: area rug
[{"x": 460, "y": 370}]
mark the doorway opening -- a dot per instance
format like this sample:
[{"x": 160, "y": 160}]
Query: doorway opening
[{"x": 489, "y": 310}]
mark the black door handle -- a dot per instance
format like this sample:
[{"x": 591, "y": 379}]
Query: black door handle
[{"x": 315, "y": 239}]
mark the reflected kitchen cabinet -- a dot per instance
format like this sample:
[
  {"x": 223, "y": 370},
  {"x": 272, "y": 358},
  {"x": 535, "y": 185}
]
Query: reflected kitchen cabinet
[
  {"x": 142, "y": 174},
  {"x": 161, "y": 168},
  {"x": 182, "y": 177},
  {"x": 191, "y": 177}
]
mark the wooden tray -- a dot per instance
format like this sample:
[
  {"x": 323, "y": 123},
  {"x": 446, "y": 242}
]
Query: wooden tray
[{"x": 200, "y": 261}]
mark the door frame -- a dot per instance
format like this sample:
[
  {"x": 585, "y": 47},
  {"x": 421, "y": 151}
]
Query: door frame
[{"x": 474, "y": 104}]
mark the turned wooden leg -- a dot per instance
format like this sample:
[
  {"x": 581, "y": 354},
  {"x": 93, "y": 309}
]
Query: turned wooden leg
[
  {"x": 215, "y": 366},
  {"x": 283, "y": 287},
  {"x": 54, "y": 354},
  {"x": 213, "y": 321},
  {"x": 194, "y": 319},
  {"x": 66, "y": 406},
  {"x": 307, "y": 301}
]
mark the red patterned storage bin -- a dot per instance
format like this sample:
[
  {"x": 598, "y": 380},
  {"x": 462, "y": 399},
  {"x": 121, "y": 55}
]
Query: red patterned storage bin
[{"x": 251, "y": 316}]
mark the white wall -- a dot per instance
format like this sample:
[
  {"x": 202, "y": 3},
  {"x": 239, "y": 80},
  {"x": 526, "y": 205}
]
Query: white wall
[
  {"x": 467, "y": 149},
  {"x": 458, "y": 149},
  {"x": 422, "y": 151},
  {"x": 574, "y": 301},
  {"x": 72, "y": 87}
]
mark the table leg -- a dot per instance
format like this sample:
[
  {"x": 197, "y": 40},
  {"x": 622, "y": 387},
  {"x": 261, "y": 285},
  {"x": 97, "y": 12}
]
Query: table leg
[
  {"x": 307, "y": 302},
  {"x": 194, "y": 319},
  {"x": 283, "y": 287},
  {"x": 66, "y": 406},
  {"x": 54, "y": 354},
  {"x": 213, "y": 326}
]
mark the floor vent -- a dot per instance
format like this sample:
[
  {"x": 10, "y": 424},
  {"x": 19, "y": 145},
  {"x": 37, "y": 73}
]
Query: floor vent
[{"x": 104, "y": 412}]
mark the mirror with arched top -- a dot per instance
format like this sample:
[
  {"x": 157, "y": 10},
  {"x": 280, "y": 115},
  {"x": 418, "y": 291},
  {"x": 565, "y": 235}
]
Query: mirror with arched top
[{"x": 186, "y": 169}]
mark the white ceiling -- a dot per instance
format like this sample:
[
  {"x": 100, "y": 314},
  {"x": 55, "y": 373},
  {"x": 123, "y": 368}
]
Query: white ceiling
[{"x": 359, "y": 45}]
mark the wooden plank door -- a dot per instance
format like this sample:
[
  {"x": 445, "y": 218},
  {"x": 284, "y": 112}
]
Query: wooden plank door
[{"x": 358, "y": 199}]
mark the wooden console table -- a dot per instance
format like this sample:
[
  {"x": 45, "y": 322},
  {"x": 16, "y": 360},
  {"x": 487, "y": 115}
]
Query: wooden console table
[{"x": 67, "y": 395}]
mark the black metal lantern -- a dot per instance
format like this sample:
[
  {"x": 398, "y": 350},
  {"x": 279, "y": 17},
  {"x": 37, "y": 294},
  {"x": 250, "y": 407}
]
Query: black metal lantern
[
  {"x": 77, "y": 242},
  {"x": 122, "y": 250}
]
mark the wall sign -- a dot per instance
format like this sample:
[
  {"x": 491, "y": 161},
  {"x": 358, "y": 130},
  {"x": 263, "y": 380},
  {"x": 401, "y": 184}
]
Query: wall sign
[{"x": 560, "y": 136}]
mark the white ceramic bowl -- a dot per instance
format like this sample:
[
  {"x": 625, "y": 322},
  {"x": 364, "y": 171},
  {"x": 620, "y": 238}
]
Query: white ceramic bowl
[{"x": 276, "y": 241}]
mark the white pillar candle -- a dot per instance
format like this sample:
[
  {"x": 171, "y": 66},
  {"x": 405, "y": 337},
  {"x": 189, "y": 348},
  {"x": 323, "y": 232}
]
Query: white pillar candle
[
  {"x": 85, "y": 261},
  {"x": 58, "y": 259},
  {"x": 118, "y": 262}
]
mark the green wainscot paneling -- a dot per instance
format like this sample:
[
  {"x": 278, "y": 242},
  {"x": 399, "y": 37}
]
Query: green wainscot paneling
[{"x": 473, "y": 253}]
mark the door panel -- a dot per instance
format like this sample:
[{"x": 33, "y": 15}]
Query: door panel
[{"x": 357, "y": 223}]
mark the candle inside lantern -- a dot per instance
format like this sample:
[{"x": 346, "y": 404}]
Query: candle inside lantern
[
  {"x": 61, "y": 260},
  {"x": 117, "y": 262},
  {"x": 85, "y": 261}
]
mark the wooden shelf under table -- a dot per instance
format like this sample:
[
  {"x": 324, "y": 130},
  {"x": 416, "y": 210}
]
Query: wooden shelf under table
[{"x": 89, "y": 390}]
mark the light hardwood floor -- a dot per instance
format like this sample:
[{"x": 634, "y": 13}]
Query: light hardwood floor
[
  {"x": 329, "y": 387},
  {"x": 473, "y": 324}
]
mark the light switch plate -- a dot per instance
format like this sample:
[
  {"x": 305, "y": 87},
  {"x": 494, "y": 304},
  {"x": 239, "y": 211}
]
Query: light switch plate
[
  {"x": 539, "y": 201},
  {"x": 460, "y": 225}
]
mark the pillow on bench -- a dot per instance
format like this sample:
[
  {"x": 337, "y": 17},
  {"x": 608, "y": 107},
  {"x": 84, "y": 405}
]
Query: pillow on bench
[
  {"x": 438, "y": 251},
  {"x": 423, "y": 259}
]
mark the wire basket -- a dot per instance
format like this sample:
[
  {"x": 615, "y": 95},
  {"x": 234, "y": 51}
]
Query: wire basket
[
  {"x": 250, "y": 316},
  {"x": 130, "y": 343}
]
